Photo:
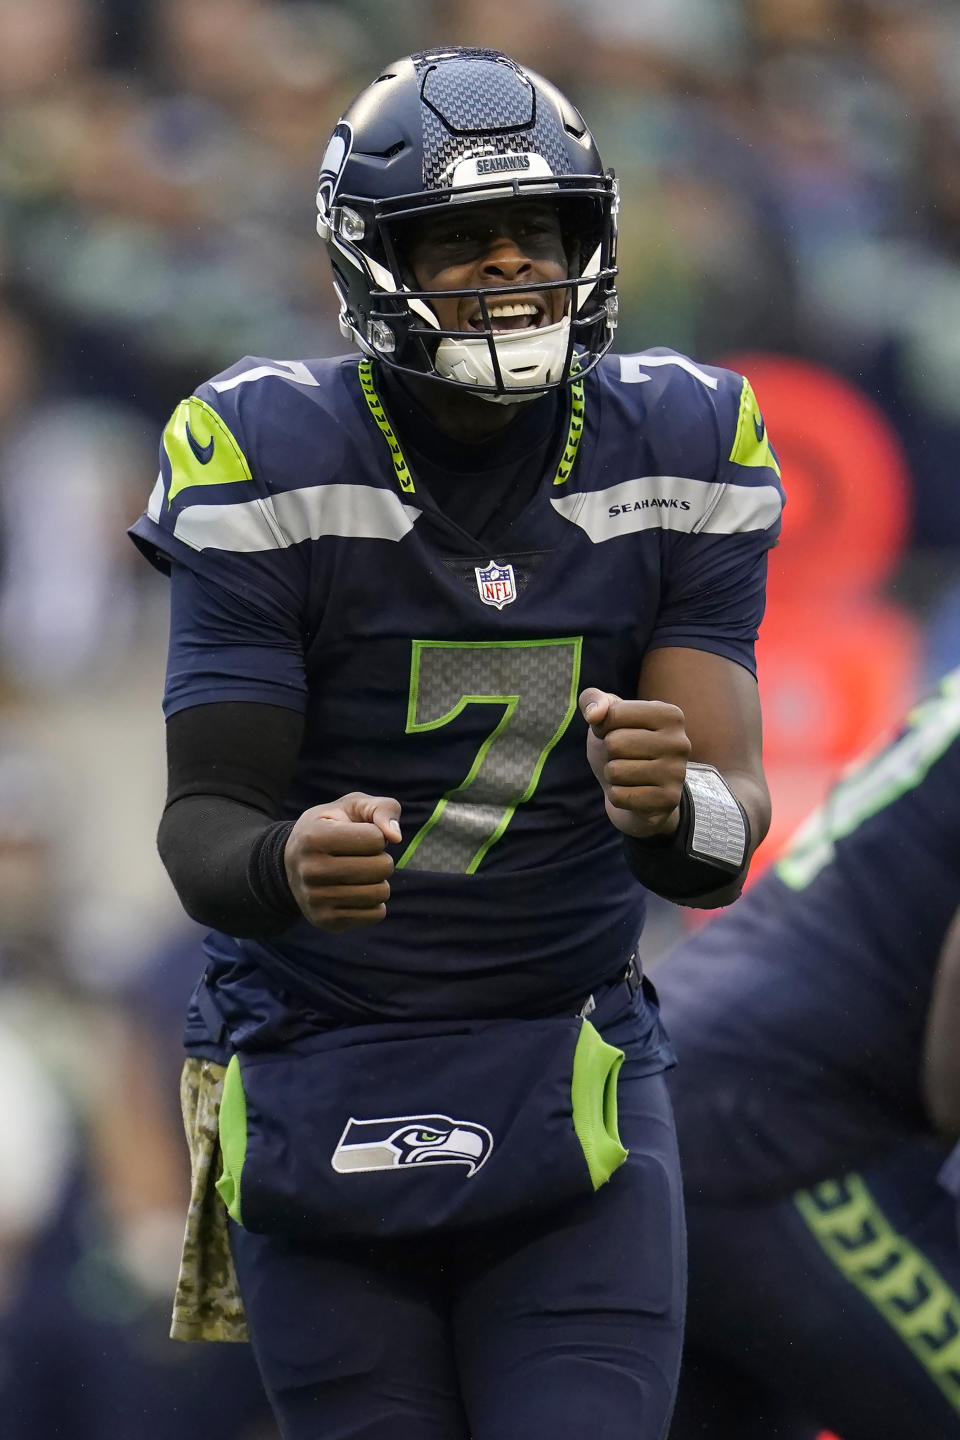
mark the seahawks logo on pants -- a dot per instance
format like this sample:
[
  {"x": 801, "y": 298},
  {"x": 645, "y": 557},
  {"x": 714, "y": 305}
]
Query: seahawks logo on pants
[{"x": 401, "y": 1140}]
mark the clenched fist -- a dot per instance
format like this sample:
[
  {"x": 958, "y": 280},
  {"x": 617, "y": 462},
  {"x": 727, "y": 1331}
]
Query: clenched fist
[
  {"x": 638, "y": 750},
  {"x": 336, "y": 860}
]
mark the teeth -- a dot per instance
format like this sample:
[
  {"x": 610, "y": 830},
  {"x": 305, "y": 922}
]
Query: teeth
[{"x": 503, "y": 312}]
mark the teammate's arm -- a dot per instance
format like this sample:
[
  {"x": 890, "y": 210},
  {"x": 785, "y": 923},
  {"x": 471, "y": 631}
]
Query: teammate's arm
[
  {"x": 941, "y": 1050},
  {"x": 691, "y": 706}
]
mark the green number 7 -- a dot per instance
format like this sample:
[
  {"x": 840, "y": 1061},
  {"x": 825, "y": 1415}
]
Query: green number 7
[{"x": 536, "y": 682}]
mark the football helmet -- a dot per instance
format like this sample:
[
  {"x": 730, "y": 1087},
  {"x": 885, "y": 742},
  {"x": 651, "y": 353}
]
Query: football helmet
[{"x": 454, "y": 127}]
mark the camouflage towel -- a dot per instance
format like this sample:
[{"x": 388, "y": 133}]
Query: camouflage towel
[{"x": 207, "y": 1305}]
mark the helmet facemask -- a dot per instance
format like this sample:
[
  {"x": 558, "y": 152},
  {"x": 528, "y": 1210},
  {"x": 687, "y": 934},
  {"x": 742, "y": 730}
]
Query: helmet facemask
[{"x": 503, "y": 365}]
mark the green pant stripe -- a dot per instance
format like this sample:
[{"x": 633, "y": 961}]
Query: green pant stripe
[{"x": 897, "y": 1279}]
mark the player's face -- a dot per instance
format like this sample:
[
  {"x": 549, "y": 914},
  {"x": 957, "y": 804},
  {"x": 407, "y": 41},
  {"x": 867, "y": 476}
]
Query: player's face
[{"x": 511, "y": 242}]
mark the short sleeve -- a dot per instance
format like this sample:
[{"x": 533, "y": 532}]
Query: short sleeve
[
  {"x": 206, "y": 497},
  {"x": 238, "y": 583},
  {"x": 714, "y": 596},
  {"x": 713, "y": 576},
  {"x": 224, "y": 647},
  {"x": 213, "y": 509}
]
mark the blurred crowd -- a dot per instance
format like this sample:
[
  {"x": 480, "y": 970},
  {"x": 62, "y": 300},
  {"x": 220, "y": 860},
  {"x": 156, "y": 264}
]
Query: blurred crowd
[{"x": 791, "y": 187}]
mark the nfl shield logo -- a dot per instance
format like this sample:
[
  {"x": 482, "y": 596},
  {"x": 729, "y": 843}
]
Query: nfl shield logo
[{"x": 496, "y": 584}]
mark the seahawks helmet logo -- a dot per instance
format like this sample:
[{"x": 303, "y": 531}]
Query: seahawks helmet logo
[
  {"x": 398, "y": 1141},
  {"x": 334, "y": 159}
]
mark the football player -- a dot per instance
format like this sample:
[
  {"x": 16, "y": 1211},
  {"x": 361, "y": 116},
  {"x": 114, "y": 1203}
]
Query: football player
[
  {"x": 816, "y": 1026},
  {"x": 462, "y": 642}
]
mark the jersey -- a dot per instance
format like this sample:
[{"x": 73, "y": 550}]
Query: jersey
[
  {"x": 320, "y": 576},
  {"x": 949, "y": 1178},
  {"x": 798, "y": 1015}
]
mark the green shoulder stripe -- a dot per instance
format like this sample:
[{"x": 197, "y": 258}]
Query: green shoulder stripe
[
  {"x": 750, "y": 444},
  {"x": 201, "y": 449},
  {"x": 878, "y": 780}
]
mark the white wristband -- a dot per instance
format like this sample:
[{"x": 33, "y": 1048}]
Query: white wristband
[{"x": 718, "y": 829}]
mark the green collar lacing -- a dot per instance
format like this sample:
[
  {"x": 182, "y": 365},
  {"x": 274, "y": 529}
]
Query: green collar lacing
[{"x": 402, "y": 470}]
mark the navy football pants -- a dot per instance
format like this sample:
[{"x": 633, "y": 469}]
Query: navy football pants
[
  {"x": 838, "y": 1308},
  {"x": 566, "y": 1328}
]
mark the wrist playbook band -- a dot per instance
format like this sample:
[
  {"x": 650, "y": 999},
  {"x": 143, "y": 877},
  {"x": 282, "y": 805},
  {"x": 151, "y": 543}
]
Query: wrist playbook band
[
  {"x": 718, "y": 825},
  {"x": 708, "y": 849}
]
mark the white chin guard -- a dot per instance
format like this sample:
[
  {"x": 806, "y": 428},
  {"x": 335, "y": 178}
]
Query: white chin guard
[{"x": 526, "y": 357}]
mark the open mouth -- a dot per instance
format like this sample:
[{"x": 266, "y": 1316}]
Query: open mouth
[{"x": 521, "y": 312}]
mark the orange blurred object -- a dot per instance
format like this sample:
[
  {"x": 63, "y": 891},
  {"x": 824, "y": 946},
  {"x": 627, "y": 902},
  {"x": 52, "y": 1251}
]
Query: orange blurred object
[
  {"x": 848, "y": 488},
  {"x": 838, "y": 664},
  {"x": 832, "y": 674}
]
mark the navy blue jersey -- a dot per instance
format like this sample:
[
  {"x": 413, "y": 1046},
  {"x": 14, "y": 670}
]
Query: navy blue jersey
[
  {"x": 311, "y": 571},
  {"x": 798, "y": 1016},
  {"x": 949, "y": 1178}
]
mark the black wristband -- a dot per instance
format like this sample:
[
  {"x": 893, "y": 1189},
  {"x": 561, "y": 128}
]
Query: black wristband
[
  {"x": 267, "y": 874},
  {"x": 709, "y": 849}
]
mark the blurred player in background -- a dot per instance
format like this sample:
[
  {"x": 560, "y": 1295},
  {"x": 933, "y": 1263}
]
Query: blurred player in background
[
  {"x": 817, "y": 1028},
  {"x": 941, "y": 1060},
  {"x": 392, "y": 578}
]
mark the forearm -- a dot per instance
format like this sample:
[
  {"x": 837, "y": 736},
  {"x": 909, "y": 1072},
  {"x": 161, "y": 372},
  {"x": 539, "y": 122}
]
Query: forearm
[
  {"x": 225, "y": 859},
  {"x": 721, "y": 709}
]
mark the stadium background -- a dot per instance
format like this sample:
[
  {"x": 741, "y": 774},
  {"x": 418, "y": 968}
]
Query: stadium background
[{"x": 791, "y": 183}]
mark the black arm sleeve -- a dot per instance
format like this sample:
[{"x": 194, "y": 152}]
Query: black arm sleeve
[{"x": 228, "y": 767}]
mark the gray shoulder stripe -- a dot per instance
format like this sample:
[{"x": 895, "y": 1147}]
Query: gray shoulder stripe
[
  {"x": 362, "y": 512},
  {"x": 239, "y": 527},
  {"x": 633, "y": 366},
  {"x": 745, "y": 507},
  {"x": 671, "y": 502},
  {"x": 354, "y": 511}
]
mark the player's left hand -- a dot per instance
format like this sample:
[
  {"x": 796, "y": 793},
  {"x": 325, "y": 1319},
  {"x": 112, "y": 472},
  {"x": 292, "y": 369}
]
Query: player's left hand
[{"x": 638, "y": 750}]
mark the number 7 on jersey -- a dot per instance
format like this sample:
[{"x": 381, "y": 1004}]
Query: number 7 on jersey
[{"x": 536, "y": 683}]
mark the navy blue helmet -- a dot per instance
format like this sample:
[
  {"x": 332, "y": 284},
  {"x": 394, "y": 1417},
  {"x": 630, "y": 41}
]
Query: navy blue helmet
[{"x": 459, "y": 127}]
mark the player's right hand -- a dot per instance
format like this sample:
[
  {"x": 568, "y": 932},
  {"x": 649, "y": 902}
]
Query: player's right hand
[{"x": 336, "y": 860}]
